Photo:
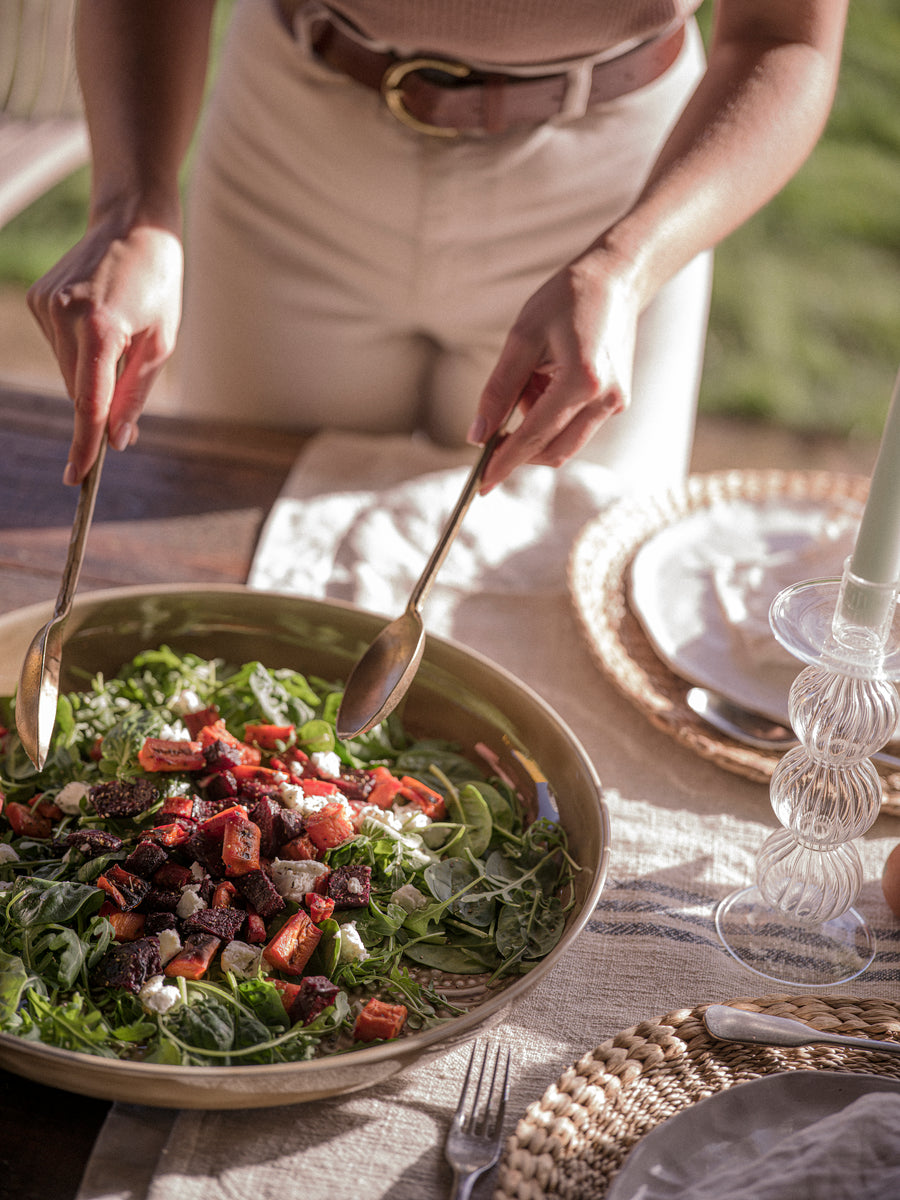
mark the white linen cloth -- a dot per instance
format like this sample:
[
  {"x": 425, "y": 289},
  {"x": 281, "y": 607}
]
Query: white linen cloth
[{"x": 356, "y": 521}]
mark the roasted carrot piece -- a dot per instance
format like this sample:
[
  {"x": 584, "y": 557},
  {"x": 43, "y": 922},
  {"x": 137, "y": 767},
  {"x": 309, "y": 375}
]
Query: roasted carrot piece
[
  {"x": 193, "y": 960},
  {"x": 430, "y": 801},
  {"x": 127, "y": 926},
  {"x": 240, "y": 847},
  {"x": 291, "y": 947},
  {"x": 328, "y": 827},
  {"x": 164, "y": 754},
  {"x": 379, "y": 1020},
  {"x": 269, "y": 737}
]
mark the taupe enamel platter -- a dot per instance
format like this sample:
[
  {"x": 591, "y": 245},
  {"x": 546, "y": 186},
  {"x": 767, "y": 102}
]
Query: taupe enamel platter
[{"x": 456, "y": 694}]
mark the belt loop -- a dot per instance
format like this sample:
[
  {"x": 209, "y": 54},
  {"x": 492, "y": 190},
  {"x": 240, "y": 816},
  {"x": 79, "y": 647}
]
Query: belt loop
[{"x": 578, "y": 90}]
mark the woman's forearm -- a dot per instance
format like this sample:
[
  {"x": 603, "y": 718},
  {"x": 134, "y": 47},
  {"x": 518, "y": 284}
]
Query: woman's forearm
[
  {"x": 751, "y": 123},
  {"x": 142, "y": 67}
]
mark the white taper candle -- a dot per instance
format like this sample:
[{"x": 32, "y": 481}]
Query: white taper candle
[{"x": 876, "y": 555}]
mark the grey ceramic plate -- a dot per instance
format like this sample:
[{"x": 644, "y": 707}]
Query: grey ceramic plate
[{"x": 457, "y": 695}]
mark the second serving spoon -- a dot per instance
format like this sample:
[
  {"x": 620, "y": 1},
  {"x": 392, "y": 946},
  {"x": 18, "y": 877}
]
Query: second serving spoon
[{"x": 383, "y": 674}]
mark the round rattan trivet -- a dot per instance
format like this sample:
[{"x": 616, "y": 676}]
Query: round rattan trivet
[
  {"x": 571, "y": 1142},
  {"x": 598, "y": 576}
]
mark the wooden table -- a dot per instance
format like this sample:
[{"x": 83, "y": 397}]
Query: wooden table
[{"x": 186, "y": 504}]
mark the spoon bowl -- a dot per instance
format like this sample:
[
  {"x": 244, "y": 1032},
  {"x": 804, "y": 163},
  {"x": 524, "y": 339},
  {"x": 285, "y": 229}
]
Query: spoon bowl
[
  {"x": 381, "y": 677},
  {"x": 38, "y": 690}
]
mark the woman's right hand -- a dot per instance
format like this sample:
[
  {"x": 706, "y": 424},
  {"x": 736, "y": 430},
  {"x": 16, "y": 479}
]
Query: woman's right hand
[{"x": 110, "y": 309}]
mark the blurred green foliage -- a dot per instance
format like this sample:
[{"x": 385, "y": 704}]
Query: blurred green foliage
[{"x": 805, "y": 322}]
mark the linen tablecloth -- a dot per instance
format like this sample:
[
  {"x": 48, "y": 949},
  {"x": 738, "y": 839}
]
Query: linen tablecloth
[{"x": 356, "y": 521}]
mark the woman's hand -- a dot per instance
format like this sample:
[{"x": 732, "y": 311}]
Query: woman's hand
[
  {"x": 111, "y": 310},
  {"x": 566, "y": 366}
]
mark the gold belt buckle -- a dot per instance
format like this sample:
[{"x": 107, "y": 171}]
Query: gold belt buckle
[{"x": 391, "y": 85}]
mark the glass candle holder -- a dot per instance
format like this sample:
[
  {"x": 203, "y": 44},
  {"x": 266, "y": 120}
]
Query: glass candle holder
[{"x": 798, "y": 923}]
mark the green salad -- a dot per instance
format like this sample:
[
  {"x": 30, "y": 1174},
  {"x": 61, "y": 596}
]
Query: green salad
[{"x": 203, "y": 873}]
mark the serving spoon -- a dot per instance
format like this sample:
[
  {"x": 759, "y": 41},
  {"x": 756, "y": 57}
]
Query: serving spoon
[
  {"x": 38, "y": 690},
  {"x": 382, "y": 676},
  {"x": 765, "y": 1029},
  {"x": 753, "y": 728}
]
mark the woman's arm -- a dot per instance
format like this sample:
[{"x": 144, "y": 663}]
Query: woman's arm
[
  {"x": 111, "y": 307},
  {"x": 752, "y": 121}
]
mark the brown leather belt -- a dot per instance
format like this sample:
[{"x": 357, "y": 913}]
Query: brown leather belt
[{"x": 445, "y": 98}]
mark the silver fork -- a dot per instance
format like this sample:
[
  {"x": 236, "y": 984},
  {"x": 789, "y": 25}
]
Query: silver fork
[{"x": 475, "y": 1137}]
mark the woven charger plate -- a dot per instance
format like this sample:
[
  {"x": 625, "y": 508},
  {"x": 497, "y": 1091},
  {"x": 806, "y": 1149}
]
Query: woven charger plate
[
  {"x": 571, "y": 1142},
  {"x": 599, "y": 572}
]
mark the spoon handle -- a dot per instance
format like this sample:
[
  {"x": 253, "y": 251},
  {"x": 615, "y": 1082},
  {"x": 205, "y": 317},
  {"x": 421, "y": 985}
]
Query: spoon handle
[
  {"x": 439, "y": 553},
  {"x": 78, "y": 539}
]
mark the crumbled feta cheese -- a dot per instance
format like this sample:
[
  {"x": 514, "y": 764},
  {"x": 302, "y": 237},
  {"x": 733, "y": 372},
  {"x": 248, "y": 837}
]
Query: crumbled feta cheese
[
  {"x": 169, "y": 944},
  {"x": 326, "y": 762},
  {"x": 6, "y": 886},
  {"x": 241, "y": 959},
  {"x": 380, "y": 816},
  {"x": 409, "y": 897},
  {"x": 354, "y": 886},
  {"x": 69, "y": 798},
  {"x": 158, "y": 996},
  {"x": 198, "y": 871},
  {"x": 187, "y": 701},
  {"x": 8, "y": 853},
  {"x": 293, "y": 878},
  {"x": 411, "y": 816},
  {"x": 352, "y": 948},
  {"x": 292, "y": 796},
  {"x": 178, "y": 732},
  {"x": 191, "y": 901}
]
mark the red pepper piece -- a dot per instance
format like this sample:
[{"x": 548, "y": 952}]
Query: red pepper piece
[
  {"x": 291, "y": 947},
  {"x": 255, "y": 929},
  {"x": 379, "y": 1021},
  {"x": 269, "y": 737},
  {"x": 300, "y": 849},
  {"x": 27, "y": 823},
  {"x": 216, "y": 824},
  {"x": 385, "y": 789},
  {"x": 430, "y": 801},
  {"x": 320, "y": 907},
  {"x": 329, "y": 827},
  {"x": 223, "y": 896},
  {"x": 217, "y": 732}
]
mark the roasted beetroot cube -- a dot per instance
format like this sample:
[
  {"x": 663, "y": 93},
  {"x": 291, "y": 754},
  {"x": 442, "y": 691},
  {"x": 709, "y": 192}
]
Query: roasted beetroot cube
[
  {"x": 220, "y": 756},
  {"x": 224, "y": 923},
  {"x": 222, "y": 786},
  {"x": 292, "y": 824},
  {"x": 206, "y": 850},
  {"x": 349, "y": 886},
  {"x": 130, "y": 964},
  {"x": 92, "y": 842},
  {"x": 123, "y": 797},
  {"x": 145, "y": 858},
  {"x": 266, "y": 815},
  {"x": 156, "y": 922},
  {"x": 355, "y": 783},
  {"x": 261, "y": 893},
  {"x": 316, "y": 993},
  {"x": 161, "y": 899},
  {"x": 251, "y": 791}
]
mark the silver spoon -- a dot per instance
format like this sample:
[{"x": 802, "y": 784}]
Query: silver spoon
[
  {"x": 764, "y": 1029},
  {"x": 753, "y": 728},
  {"x": 38, "y": 690},
  {"x": 383, "y": 674}
]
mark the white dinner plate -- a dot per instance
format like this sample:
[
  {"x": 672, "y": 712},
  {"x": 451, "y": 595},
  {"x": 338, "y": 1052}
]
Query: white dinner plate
[
  {"x": 701, "y": 588},
  {"x": 712, "y": 1146}
]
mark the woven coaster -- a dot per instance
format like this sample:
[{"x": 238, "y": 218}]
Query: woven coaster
[
  {"x": 571, "y": 1142},
  {"x": 599, "y": 569}
]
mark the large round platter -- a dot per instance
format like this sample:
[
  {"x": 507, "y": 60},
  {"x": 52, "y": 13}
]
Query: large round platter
[{"x": 457, "y": 694}]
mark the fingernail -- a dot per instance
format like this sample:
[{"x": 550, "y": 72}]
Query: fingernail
[
  {"x": 70, "y": 475},
  {"x": 477, "y": 430},
  {"x": 121, "y": 439}
]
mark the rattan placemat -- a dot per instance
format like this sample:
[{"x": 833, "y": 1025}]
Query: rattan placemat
[
  {"x": 598, "y": 576},
  {"x": 571, "y": 1142}
]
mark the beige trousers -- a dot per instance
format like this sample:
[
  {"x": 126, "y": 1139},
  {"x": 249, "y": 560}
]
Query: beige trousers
[{"x": 345, "y": 272}]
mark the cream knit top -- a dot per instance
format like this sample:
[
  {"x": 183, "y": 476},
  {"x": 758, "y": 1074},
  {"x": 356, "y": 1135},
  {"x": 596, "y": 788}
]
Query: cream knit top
[{"x": 514, "y": 32}]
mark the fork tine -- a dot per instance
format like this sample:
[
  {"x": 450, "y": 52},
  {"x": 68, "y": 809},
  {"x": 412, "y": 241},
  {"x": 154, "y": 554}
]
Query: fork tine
[{"x": 474, "y": 1139}]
